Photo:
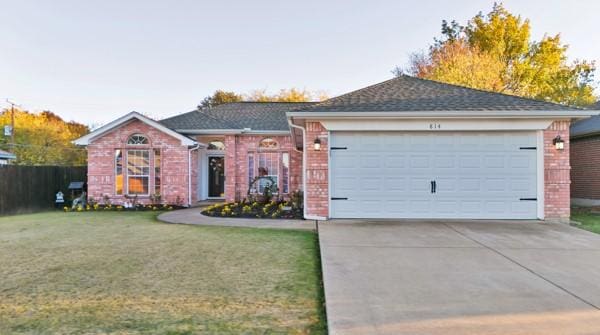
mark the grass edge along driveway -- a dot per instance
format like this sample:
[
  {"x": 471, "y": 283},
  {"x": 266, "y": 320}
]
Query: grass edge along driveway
[{"x": 126, "y": 273}]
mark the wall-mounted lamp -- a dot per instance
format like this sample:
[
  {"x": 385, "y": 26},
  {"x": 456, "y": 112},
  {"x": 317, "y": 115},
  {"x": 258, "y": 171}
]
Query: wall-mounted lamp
[
  {"x": 317, "y": 144},
  {"x": 559, "y": 143}
]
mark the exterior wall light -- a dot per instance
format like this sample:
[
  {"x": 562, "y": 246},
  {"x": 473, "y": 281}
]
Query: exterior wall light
[
  {"x": 559, "y": 143},
  {"x": 317, "y": 144}
]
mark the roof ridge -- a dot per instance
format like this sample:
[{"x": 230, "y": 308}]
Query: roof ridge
[
  {"x": 178, "y": 115},
  {"x": 351, "y": 92}
]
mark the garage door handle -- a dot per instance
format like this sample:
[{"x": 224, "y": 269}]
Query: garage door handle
[
  {"x": 334, "y": 198},
  {"x": 433, "y": 186}
]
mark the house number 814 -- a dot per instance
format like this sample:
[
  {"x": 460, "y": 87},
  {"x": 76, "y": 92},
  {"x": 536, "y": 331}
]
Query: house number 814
[{"x": 434, "y": 126}]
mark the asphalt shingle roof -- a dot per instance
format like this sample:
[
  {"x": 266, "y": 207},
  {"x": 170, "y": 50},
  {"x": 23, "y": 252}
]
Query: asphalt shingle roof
[
  {"x": 587, "y": 126},
  {"x": 410, "y": 94},
  {"x": 237, "y": 115}
]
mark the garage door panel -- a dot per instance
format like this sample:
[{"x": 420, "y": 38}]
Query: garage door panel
[
  {"x": 478, "y": 175},
  {"x": 419, "y": 161},
  {"x": 396, "y": 183},
  {"x": 394, "y": 161}
]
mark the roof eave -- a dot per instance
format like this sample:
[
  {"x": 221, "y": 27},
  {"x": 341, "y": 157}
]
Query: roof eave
[
  {"x": 232, "y": 132},
  {"x": 87, "y": 139},
  {"x": 566, "y": 114}
]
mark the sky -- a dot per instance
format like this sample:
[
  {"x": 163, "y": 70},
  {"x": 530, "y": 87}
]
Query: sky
[{"x": 93, "y": 61}]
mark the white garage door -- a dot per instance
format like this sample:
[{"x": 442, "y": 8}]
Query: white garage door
[{"x": 477, "y": 175}]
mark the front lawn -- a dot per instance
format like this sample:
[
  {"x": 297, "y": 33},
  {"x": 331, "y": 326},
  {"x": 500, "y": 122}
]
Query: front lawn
[
  {"x": 126, "y": 273},
  {"x": 588, "y": 220}
]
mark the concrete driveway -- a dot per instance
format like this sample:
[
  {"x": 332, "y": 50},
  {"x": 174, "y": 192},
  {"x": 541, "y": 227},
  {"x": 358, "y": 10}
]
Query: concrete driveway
[{"x": 469, "y": 277}]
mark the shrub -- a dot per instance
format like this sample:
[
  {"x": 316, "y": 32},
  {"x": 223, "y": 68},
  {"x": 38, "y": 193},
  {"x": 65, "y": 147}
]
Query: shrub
[{"x": 273, "y": 209}]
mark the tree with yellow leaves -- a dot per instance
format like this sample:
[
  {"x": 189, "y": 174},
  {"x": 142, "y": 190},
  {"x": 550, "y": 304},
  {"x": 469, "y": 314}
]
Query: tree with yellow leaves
[
  {"x": 43, "y": 139},
  {"x": 495, "y": 52}
]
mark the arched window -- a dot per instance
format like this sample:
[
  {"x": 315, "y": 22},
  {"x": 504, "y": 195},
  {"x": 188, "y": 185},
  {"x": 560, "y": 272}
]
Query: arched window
[
  {"x": 137, "y": 139},
  {"x": 268, "y": 143},
  {"x": 216, "y": 145}
]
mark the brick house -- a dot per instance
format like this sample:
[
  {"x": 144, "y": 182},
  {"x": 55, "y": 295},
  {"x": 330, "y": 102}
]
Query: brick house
[
  {"x": 585, "y": 160},
  {"x": 403, "y": 148}
]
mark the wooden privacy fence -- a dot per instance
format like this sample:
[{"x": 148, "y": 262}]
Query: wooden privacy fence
[{"x": 26, "y": 189}]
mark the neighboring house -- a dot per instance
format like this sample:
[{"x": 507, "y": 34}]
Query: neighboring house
[
  {"x": 585, "y": 160},
  {"x": 404, "y": 148},
  {"x": 6, "y": 157}
]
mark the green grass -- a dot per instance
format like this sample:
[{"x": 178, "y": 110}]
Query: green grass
[
  {"x": 588, "y": 220},
  {"x": 126, "y": 273}
]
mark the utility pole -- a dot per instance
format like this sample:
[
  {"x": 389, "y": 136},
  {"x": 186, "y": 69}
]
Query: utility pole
[{"x": 12, "y": 123}]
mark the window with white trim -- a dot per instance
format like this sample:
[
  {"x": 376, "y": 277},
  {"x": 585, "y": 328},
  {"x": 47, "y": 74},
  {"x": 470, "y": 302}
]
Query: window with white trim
[
  {"x": 285, "y": 172},
  {"x": 119, "y": 171},
  {"x": 138, "y": 172},
  {"x": 137, "y": 139},
  {"x": 268, "y": 143},
  {"x": 272, "y": 166},
  {"x": 216, "y": 145},
  {"x": 157, "y": 180},
  {"x": 268, "y": 167}
]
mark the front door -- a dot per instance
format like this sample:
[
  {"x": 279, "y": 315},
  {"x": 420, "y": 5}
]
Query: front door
[{"x": 216, "y": 176}]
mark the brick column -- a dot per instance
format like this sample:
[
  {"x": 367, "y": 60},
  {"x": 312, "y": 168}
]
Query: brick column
[
  {"x": 317, "y": 169},
  {"x": 557, "y": 202},
  {"x": 230, "y": 168}
]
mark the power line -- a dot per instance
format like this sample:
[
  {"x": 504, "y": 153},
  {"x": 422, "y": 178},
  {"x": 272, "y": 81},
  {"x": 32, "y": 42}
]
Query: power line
[{"x": 12, "y": 120}]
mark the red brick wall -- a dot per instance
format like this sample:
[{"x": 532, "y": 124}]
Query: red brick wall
[
  {"x": 174, "y": 157},
  {"x": 317, "y": 171},
  {"x": 557, "y": 202},
  {"x": 585, "y": 168},
  {"x": 237, "y": 148}
]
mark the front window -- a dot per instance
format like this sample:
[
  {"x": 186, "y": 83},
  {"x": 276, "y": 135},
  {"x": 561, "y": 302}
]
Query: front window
[
  {"x": 268, "y": 167},
  {"x": 118, "y": 172},
  {"x": 138, "y": 172},
  {"x": 268, "y": 143},
  {"x": 137, "y": 139},
  {"x": 285, "y": 172},
  {"x": 157, "y": 171},
  {"x": 216, "y": 145},
  {"x": 272, "y": 167}
]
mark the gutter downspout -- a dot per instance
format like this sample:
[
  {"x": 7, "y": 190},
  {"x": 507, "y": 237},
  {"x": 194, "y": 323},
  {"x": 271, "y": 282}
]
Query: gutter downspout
[
  {"x": 196, "y": 147},
  {"x": 306, "y": 216}
]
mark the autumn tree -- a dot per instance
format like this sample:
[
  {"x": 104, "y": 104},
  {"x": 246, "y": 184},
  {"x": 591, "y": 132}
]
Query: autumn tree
[
  {"x": 220, "y": 97},
  {"x": 284, "y": 95},
  {"x": 44, "y": 139},
  {"x": 495, "y": 52}
]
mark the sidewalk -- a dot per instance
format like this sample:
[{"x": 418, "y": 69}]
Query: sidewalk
[{"x": 193, "y": 216}]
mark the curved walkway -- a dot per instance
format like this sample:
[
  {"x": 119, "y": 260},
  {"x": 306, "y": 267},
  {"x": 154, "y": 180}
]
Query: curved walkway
[{"x": 193, "y": 216}]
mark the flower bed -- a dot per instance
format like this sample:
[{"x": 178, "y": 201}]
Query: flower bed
[
  {"x": 111, "y": 207},
  {"x": 276, "y": 209}
]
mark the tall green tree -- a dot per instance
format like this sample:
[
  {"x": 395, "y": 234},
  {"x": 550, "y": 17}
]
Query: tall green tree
[
  {"x": 495, "y": 52},
  {"x": 44, "y": 139}
]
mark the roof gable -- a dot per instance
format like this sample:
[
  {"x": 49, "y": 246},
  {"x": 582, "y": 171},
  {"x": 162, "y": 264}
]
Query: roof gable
[
  {"x": 87, "y": 139},
  {"x": 410, "y": 94}
]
